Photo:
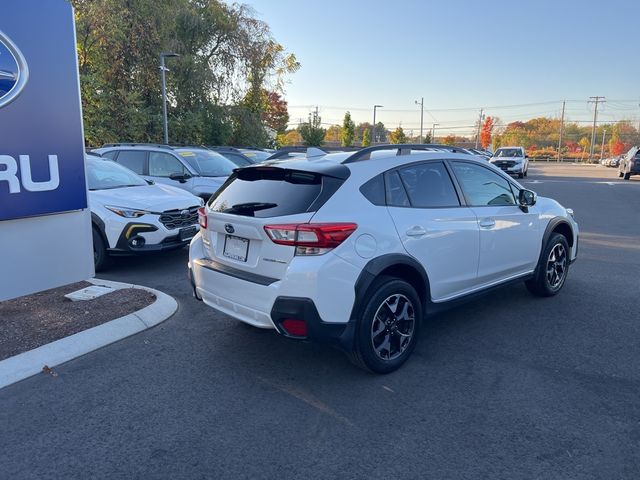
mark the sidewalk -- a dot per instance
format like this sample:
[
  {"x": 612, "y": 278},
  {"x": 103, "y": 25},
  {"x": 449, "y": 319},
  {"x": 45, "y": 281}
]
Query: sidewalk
[{"x": 43, "y": 330}]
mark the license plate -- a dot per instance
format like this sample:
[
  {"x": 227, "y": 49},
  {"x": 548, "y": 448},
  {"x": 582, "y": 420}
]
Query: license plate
[
  {"x": 188, "y": 233},
  {"x": 236, "y": 248}
]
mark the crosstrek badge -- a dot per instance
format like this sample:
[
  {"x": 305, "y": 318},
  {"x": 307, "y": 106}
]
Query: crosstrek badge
[{"x": 13, "y": 70}]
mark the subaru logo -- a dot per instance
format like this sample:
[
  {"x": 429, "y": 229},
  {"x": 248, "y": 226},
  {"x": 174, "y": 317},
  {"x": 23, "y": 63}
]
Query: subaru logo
[
  {"x": 184, "y": 213},
  {"x": 229, "y": 228},
  {"x": 13, "y": 70}
]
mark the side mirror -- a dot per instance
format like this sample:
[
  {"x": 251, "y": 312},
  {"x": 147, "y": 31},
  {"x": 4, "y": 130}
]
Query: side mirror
[
  {"x": 180, "y": 177},
  {"x": 526, "y": 156},
  {"x": 150, "y": 182},
  {"x": 527, "y": 198}
]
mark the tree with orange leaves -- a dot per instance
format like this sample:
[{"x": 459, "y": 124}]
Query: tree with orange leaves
[
  {"x": 617, "y": 148},
  {"x": 485, "y": 134}
]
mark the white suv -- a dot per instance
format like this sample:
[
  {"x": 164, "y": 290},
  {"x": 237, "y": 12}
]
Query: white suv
[
  {"x": 354, "y": 248},
  {"x": 131, "y": 215},
  {"x": 513, "y": 160}
]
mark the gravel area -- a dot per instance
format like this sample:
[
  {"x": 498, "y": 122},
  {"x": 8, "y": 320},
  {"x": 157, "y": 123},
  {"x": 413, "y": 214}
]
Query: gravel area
[{"x": 34, "y": 320}]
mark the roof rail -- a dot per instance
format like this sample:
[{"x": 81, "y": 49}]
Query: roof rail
[
  {"x": 188, "y": 145},
  {"x": 402, "y": 149},
  {"x": 223, "y": 148},
  {"x": 132, "y": 144},
  {"x": 284, "y": 151}
]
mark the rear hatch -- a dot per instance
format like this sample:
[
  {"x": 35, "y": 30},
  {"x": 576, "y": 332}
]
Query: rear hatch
[{"x": 256, "y": 197}]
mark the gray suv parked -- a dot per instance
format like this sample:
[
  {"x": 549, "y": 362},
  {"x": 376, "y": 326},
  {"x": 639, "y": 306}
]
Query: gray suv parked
[{"x": 197, "y": 170}]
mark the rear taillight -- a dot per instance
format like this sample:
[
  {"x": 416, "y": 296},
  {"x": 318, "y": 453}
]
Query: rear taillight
[
  {"x": 202, "y": 218},
  {"x": 310, "y": 238}
]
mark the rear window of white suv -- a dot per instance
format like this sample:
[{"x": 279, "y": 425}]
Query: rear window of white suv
[{"x": 273, "y": 192}]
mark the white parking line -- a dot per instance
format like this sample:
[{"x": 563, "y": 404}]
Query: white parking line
[{"x": 595, "y": 182}]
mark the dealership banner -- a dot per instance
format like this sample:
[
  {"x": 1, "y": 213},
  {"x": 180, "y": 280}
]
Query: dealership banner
[{"x": 41, "y": 137}]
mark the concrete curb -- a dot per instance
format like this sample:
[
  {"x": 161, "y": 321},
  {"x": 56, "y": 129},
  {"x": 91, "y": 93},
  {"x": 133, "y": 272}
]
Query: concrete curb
[{"x": 26, "y": 364}]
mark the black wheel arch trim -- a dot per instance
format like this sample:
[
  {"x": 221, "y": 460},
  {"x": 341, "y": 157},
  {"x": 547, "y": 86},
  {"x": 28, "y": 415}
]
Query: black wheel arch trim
[
  {"x": 98, "y": 224},
  {"x": 379, "y": 264},
  {"x": 551, "y": 226}
]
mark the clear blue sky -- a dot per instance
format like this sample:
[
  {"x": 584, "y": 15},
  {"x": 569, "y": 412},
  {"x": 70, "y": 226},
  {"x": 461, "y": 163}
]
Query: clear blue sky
[{"x": 459, "y": 54}]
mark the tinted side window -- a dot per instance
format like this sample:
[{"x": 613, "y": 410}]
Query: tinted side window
[
  {"x": 133, "y": 159},
  {"x": 111, "y": 155},
  {"x": 396, "y": 194},
  {"x": 373, "y": 190},
  {"x": 481, "y": 186},
  {"x": 164, "y": 164},
  {"x": 429, "y": 185}
]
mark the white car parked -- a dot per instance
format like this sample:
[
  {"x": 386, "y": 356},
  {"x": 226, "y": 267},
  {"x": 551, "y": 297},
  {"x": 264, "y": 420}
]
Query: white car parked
[
  {"x": 354, "y": 248},
  {"x": 513, "y": 160},
  {"x": 130, "y": 216}
]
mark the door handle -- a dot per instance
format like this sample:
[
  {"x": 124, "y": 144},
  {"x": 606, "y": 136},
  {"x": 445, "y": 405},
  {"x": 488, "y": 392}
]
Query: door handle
[
  {"x": 487, "y": 223},
  {"x": 416, "y": 231}
]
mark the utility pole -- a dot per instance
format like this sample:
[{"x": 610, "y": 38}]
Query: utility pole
[
  {"x": 596, "y": 101},
  {"x": 373, "y": 128},
  {"x": 604, "y": 134},
  {"x": 421, "y": 116},
  {"x": 433, "y": 132},
  {"x": 561, "y": 130},
  {"x": 479, "y": 126}
]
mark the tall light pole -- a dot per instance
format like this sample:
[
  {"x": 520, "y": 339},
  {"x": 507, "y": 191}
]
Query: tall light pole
[
  {"x": 421, "y": 116},
  {"x": 479, "y": 126},
  {"x": 596, "y": 101},
  {"x": 164, "y": 69},
  {"x": 373, "y": 128},
  {"x": 604, "y": 134},
  {"x": 561, "y": 130},
  {"x": 433, "y": 132}
]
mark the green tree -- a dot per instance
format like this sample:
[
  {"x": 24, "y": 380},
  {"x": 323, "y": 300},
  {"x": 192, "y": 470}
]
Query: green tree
[
  {"x": 312, "y": 132},
  {"x": 348, "y": 130},
  {"x": 379, "y": 133},
  {"x": 398, "y": 136},
  {"x": 360, "y": 128},
  {"x": 366, "y": 138},
  {"x": 216, "y": 88}
]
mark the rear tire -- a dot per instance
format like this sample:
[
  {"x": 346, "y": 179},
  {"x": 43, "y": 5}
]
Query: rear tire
[
  {"x": 387, "y": 330},
  {"x": 553, "y": 267},
  {"x": 627, "y": 176},
  {"x": 620, "y": 174},
  {"x": 100, "y": 254},
  {"x": 521, "y": 175}
]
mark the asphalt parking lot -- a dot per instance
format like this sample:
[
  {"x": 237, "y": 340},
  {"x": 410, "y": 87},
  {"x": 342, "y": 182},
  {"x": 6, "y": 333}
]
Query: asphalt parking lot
[{"x": 510, "y": 386}]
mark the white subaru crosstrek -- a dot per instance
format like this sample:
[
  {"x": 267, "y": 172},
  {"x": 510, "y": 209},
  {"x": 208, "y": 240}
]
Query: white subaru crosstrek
[
  {"x": 130, "y": 215},
  {"x": 354, "y": 248}
]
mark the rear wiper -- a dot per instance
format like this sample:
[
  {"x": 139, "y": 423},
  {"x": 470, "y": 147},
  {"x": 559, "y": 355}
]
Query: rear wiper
[{"x": 250, "y": 207}]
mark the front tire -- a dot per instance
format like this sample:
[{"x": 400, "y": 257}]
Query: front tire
[
  {"x": 521, "y": 175},
  {"x": 553, "y": 267},
  {"x": 100, "y": 254},
  {"x": 620, "y": 174},
  {"x": 626, "y": 176},
  {"x": 387, "y": 330}
]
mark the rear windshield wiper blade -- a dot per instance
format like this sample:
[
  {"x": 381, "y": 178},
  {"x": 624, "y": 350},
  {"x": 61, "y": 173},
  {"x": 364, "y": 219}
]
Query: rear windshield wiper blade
[{"x": 250, "y": 207}]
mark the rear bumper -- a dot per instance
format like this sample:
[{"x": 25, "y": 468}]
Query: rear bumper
[{"x": 318, "y": 290}]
